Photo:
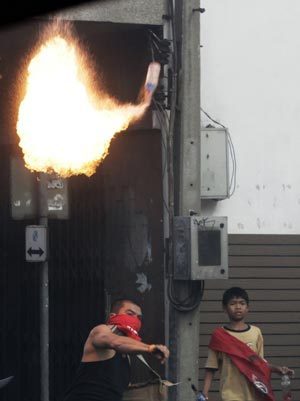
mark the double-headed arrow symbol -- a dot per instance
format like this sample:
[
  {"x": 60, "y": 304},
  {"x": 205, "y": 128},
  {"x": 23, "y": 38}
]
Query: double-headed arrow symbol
[{"x": 35, "y": 252}]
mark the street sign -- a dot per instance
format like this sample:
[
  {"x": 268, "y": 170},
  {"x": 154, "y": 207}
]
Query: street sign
[
  {"x": 36, "y": 243},
  {"x": 23, "y": 195},
  {"x": 25, "y": 189}
]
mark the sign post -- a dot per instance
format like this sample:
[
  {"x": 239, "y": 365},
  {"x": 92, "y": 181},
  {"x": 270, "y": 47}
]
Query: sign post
[
  {"x": 44, "y": 297},
  {"x": 48, "y": 200}
]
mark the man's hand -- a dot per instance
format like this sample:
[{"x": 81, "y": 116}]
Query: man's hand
[{"x": 160, "y": 352}]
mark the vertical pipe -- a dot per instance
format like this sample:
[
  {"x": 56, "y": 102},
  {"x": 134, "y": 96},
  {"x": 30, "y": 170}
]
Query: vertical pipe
[{"x": 44, "y": 298}]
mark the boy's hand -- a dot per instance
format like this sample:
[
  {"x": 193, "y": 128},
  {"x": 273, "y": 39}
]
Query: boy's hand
[{"x": 283, "y": 370}]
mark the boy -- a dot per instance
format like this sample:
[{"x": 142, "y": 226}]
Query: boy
[{"x": 237, "y": 351}]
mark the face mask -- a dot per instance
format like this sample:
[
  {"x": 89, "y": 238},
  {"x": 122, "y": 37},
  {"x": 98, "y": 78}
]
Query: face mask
[{"x": 127, "y": 324}]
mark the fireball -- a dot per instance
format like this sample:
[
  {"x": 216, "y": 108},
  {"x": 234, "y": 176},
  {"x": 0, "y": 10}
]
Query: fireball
[{"x": 64, "y": 127}]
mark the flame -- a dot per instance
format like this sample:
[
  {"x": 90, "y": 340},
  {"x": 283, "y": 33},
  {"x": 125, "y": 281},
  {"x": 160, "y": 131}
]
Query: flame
[{"x": 63, "y": 126}]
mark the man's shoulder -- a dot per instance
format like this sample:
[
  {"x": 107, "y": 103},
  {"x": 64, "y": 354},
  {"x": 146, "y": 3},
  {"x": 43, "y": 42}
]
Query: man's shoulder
[{"x": 100, "y": 329}]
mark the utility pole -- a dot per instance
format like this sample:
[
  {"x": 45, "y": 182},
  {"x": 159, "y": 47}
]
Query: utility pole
[{"x": 184, "y": 325}]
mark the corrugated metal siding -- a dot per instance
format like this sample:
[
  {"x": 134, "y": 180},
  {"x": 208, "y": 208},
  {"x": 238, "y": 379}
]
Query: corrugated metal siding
[{"x": 268, "y": 267}]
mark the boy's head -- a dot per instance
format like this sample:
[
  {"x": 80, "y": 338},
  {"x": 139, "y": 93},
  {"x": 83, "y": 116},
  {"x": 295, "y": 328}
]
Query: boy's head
[
  {"x": 235, "y": 303},
  {"x": 234, "y": 292}
]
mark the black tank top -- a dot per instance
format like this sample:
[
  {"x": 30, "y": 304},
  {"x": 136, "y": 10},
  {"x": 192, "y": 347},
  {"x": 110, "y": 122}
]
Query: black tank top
[{"x": 100, "y": 381}]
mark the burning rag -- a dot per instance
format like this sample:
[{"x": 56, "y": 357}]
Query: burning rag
[{"x": 253, "y": 367}]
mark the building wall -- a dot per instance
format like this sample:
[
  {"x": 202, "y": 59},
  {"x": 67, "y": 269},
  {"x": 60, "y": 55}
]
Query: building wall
[
  {"x": 267, "y": 266},
  {"x": 125, "y": 11},
  {"x": 250, "y": 83},
  {"x": 112, "y": 244}
]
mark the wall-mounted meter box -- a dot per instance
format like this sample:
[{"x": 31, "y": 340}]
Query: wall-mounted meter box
[
  {"x": 200, "y": 246},
  {"x": 214, "y": 163}
]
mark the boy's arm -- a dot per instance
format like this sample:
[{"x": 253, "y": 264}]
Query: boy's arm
[
  {"x": 281, "y": 370},
  {"x": 209, "y": 375},
  {"x": 211, "y": 365}
]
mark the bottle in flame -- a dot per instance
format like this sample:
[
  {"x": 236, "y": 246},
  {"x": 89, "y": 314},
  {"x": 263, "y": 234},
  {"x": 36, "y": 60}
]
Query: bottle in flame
[
  {"x": 151, "y": 82},
  {"x": 64, "y": 126}
]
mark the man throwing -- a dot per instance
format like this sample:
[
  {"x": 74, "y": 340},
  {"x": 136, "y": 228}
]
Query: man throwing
[{"x": 104, "y": 371}]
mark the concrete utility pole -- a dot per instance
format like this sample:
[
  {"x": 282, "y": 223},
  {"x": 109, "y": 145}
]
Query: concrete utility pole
[
  {"x": 189, "y": 103},
  {"x": 186, "y": 324}
]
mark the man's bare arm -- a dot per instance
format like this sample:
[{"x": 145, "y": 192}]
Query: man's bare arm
[{"x": 103, "y": 337}]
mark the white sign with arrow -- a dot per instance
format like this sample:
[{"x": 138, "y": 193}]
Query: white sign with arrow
[{"x": 36, "y": 243}]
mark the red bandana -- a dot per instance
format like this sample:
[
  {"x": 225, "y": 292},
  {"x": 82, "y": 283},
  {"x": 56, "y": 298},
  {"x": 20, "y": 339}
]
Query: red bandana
[{"x": 129, "y": 325}]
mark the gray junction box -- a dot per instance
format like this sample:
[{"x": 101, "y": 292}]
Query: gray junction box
[
  {"x": 200, "y": 246},
  {"x": 25, "y": 191},
  {"x": 214, "y": 163}
]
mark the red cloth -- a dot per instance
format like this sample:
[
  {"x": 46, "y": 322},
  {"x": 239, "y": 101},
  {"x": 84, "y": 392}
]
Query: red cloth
[
  {"x": 251, "y": 365},
  {"x": 127, "y": 324}
]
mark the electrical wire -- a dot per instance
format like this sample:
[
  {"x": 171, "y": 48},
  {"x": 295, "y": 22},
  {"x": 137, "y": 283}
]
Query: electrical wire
[
  {"x": 192, "y": 301},
  {"x": 164, "y": 125},
  {"x": 232, "y": 183}
]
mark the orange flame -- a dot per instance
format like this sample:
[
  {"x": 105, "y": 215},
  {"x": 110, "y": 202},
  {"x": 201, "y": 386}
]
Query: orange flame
[{"x": 63, "y": 127}]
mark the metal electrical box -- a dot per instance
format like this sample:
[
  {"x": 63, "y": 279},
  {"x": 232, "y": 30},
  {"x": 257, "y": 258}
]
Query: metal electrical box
[
  {"x": 25, "y": 187},
  {"x": 200, "y": 246},
  {"x": 214, "y": 164},
  {"x": 23, "y": 196}
]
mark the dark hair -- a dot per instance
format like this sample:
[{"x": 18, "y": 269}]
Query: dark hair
[
  {"x": 118, "y": 303},
  {"x": 234, "y": 292}
]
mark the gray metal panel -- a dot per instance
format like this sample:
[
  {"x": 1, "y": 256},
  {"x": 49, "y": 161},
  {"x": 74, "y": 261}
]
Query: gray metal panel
[
  {"x": 186, "y": 248},
  {"x": 214, "y": 163},
  {"x": 24, "y": 204},
  {"x": 56, "y": 191},
  {"x": 125, "y": 11},
  {"x": 22, "y": 199},
  {"x": 200, "y": 272}
]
